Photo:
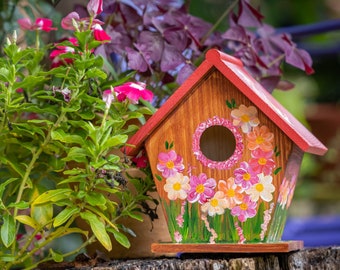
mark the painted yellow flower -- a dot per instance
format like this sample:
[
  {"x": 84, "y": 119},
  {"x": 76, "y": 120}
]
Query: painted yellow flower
[
  {"x": 177, "y": 186},
  {"x": 245, "y": 117}
]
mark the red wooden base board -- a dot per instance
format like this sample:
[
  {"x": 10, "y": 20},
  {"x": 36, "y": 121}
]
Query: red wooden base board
[{"x": 279, "y": 247}]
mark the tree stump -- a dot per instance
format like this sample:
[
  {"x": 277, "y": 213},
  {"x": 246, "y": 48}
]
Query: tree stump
[{"x": 327, "y": 258}]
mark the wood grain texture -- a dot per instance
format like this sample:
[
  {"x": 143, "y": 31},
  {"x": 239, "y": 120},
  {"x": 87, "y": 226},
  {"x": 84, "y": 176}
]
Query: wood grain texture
[{"x": 227, "y": 248}]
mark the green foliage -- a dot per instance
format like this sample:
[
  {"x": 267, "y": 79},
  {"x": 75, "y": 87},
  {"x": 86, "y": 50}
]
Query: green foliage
[{"x": 59, "y": 156}]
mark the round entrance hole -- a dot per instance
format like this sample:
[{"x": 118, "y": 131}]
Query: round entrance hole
[{"x": 217, "y": 143}]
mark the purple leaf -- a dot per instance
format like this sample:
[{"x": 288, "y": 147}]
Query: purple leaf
[
  {"x": 249, "y": 16},
  {"x": 184, "y": 73},
  {"x": 136, "y": 60},
  {"x": 153, "y": 44},
  {"x": 171, "y": 58}
]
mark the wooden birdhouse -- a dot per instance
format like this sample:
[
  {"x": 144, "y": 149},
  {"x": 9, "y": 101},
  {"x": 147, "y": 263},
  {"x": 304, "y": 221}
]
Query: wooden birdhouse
[{"x": 225, "y": 157}]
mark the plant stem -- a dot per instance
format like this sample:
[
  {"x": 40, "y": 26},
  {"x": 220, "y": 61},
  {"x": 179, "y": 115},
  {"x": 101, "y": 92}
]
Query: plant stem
[{"x": 213, "y": 28}]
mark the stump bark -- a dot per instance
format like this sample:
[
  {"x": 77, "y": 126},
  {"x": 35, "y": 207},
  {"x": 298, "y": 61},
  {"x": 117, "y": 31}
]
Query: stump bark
[{"x": 327, "y": 258}]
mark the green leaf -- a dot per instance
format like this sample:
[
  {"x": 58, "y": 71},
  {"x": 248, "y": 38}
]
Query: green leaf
[
  {"x": 19, "y": 205},
  {"x": 64, "y": 215},
  {"x": 98, "y": 229},
  {"x": 95, "y": 198},
  {"x": 27, "y": 220},
  {"x": 96, "y": 73},
  {"x": 8, "y": 230},
  {"x": 57, "y": 257},
  {"x": 60, "y": 135},
  {"x": 77, "y": 154},
  {"x": 121, "y": 238},
  {"x": 115, "y": 140},
  {"x": 42, "y": 214},
  {"x": 4, "y": 184},
  {"x": 135, "y": 216},
  {"x": 53, "y": 196},
  {"x": 158, "y": 177}
]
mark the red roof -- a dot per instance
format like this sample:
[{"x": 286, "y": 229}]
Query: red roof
[{"x": 232, "y": 68}]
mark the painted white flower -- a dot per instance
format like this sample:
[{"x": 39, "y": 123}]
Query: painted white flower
[
  {"x": 216, "y": 205},
  {"x": 264, "y": 189},
  {"x": 177, "y": 186}
]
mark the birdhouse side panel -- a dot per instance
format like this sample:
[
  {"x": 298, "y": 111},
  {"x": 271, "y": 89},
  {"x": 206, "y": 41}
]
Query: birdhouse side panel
[{"x": 218, "y": 162}]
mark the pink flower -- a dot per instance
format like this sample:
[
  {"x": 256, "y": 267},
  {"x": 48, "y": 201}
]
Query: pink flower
[
  {"x": 247, "y": 209},
  {"x": 40, "y": 24},
  {"x": 170, "y": 163},
  {"x": 72, "y": 21},
  {"x": 201, "y": 189},
  {"x": 133, "y": 91},
  {"x": 108, "y": 97},
  {"x": 60, "y": 50},
  {"x": 99, "y": 34},
  {"x": 140, "y": 160},
  {"x": 245, "y": 176},
  {"x": 95, "y": 7},
  {"x": 262, "y": 161}
]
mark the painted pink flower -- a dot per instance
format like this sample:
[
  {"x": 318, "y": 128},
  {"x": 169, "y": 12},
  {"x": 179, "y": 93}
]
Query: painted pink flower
[
  {"x": 177, "y": 236},
  {"x": 262, "y": 161},
  {"x": 133, "y": 91},
  {"x": 40, "y": 24},
  {"x": 286, "y": 192},
  {"x": 99, "y": 34},
  {"x": 170, "y": 163},
  {"x": 177, "y": 187},
  {"x": 56, "y": 55},
  {"x": 260, "y": 137},
  {"x": 247, "y": 209},
  {"x": 202, "y": 188},
  {"x": 233, "y": 193},
  {"x": 245, "y": 176},
  {"x": 245, "y": 117}
]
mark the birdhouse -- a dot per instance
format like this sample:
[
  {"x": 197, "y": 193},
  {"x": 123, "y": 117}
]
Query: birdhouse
[{"x": 225, "y": 158}]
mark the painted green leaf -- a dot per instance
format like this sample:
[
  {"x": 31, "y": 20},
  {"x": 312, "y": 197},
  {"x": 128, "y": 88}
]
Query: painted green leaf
[
  {"x": 8, "y": 230},
  {"x": 53, "y": 196},
  {"x": 166, "y": 145},
  {"x": 64, "y": 215},
  {"x": 277, "y": 170},
  {"x": 98, "y": 229},
  {"x": 158, "y": 177},
  {"x": 27, "y": 220}
]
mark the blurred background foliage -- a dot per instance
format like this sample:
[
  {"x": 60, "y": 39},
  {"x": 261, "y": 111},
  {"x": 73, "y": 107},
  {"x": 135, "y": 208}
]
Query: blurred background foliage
[{"x": 315, "y": 26}]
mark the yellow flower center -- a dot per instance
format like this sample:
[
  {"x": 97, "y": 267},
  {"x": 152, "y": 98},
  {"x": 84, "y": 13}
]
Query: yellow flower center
[
  {"x": 199, "y": 188},
  {"x": 214, "y": 202},
  {"x": 262, "y": 161},
  {"x": 259, "y": 140},
  {"x": 177, "y": 186},
  {"x": 246, "y": 176},
  {"x": 230, "y": 193},
  {"x": 259, "y": 187},
  {"x": 243, "y": 206},
  {"x": 245, "y": 118},
  {"x": 170, "y": 164}
]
